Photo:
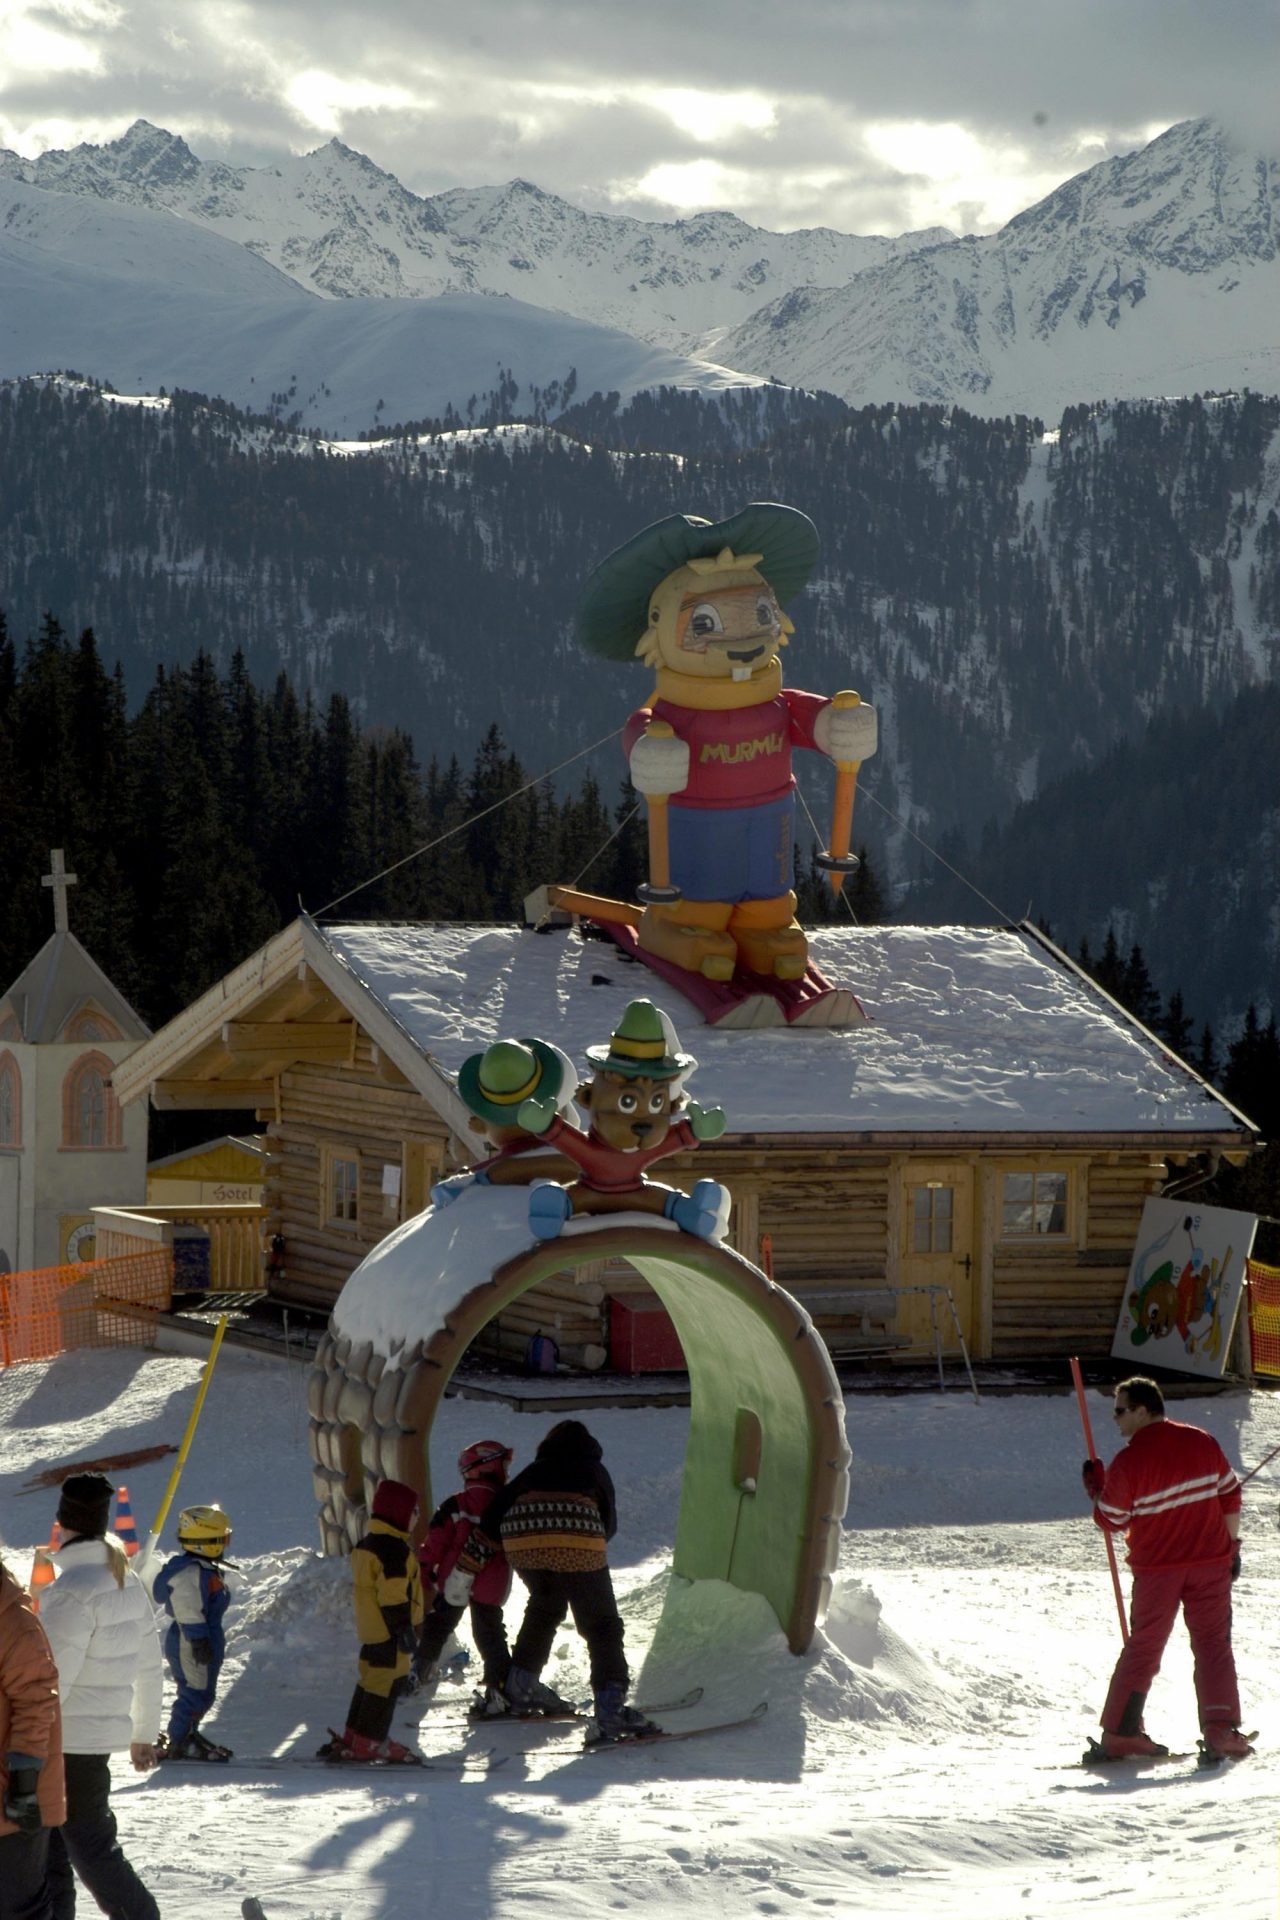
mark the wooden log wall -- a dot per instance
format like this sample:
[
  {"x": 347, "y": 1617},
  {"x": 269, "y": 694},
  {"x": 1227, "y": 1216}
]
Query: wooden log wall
[
  {"x": 826, "y": 1211},
  {"x": 357, "y": 1106},
  {"x": 1058, "y": 1300}
]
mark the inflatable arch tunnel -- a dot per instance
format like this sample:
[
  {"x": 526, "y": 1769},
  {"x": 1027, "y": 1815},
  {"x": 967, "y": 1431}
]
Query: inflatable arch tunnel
[{"x": 766, "y": 1474}]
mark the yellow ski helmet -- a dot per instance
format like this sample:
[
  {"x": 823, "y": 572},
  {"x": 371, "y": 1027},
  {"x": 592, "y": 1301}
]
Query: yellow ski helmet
[{"x": 204, "y": 1530}]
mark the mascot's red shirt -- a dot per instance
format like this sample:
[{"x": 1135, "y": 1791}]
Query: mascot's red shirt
[
  {"x": 740, "y": 757},
  {"x": 1168, "y": 1491}
]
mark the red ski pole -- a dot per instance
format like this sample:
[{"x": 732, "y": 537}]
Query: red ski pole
[
  {"x": 1078, "y": 1377},
  {"x": 1265, "y": 1461}
]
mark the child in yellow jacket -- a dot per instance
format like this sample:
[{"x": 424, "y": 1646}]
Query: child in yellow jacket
[{"x": 389, "y": 1612}]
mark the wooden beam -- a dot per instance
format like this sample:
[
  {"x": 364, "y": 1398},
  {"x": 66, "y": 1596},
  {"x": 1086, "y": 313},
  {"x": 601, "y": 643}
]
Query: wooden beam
[
  {"x": 175, "y": 1096},
  {"x": 290, "y": 1039}
]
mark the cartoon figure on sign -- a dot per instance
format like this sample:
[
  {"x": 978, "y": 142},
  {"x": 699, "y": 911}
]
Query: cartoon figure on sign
[
  {"x": 1154, "y": 1306},
  {"x": 639, "y": 1114},
  {"x": 702, "y": 604}
]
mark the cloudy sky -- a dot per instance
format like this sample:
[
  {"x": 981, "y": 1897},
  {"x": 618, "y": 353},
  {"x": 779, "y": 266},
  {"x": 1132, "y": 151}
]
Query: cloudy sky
[{"x": 874, "y": 116}]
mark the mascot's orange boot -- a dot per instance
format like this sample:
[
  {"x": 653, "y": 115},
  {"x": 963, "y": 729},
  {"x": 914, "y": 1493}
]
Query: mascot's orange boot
[
  {"x": 769, "y": 938},
  {"x": 691, "y": 934}
]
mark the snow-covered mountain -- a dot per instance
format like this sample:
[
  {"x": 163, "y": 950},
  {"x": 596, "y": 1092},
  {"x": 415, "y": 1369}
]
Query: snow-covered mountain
[
  {"x": 1148, "y": 275},
  {"x": 1151, "y": 274},
  {"x": 340, "y": 226},
  {"x": 133, "y": 296}
]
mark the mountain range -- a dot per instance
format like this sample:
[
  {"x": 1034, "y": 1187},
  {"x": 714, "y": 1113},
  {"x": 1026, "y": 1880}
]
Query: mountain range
[{"x": 1150, "y": 274}]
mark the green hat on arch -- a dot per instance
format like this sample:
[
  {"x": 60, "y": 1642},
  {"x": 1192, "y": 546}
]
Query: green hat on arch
[
  {"x": 493, "y": 1083},
  {"x": 613, "y": 612},
  {"x": 642, "y": 1044}
]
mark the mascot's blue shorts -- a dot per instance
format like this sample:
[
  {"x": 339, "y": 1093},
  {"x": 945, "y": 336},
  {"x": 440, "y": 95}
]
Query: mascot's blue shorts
[{"x": 733, "y": 853}]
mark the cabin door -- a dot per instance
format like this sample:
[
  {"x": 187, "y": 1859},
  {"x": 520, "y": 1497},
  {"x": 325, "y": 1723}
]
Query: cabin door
[{"x": 936, "y": 1249}]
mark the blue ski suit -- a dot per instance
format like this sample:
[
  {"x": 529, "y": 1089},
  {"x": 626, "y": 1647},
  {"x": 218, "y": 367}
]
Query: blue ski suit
[{"x": 194, "y": 1592}]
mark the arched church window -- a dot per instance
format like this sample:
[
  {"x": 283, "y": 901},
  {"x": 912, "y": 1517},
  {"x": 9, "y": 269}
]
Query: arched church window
[
  {"x": 10, "y": 1102},
  {"x": 90, "y": 1110},
  {"x": 89, "y": 1024}
]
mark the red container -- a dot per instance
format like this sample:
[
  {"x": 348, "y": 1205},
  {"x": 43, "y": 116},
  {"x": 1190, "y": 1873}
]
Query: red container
[{"x": 642, "y": 1337}]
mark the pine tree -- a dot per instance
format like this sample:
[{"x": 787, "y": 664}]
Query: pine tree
[{"x": 1176, "y": 1027}]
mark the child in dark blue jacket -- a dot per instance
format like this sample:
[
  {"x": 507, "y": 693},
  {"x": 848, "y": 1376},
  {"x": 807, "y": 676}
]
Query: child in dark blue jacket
[{"x": 194, "y": 1591}]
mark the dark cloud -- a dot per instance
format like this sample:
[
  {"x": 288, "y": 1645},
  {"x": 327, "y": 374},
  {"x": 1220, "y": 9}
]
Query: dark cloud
[{"x": 562, "y": 91}]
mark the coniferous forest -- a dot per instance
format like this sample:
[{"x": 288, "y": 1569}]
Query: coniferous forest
[{"x": 1072, "y": 639}]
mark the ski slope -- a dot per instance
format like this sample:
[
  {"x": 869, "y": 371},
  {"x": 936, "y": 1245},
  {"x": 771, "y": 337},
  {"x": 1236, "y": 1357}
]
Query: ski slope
[{"x": 906, "y": 1765}]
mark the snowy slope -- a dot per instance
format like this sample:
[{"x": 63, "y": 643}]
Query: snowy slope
[
  {"x": 1149, "y": 275},
  {"x": 142, "y": 300},
  {"x": 907, "y": 1764},
  {"x": 342, "y": 227}
]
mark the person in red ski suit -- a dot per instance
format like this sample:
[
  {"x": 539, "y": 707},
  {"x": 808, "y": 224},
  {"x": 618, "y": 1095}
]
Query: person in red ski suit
[
  {"x": 483, "y": 1466},
  {"x": 1175, "y": 1496}
]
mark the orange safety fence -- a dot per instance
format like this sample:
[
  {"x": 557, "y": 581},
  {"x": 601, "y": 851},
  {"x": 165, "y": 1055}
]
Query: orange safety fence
[
  {"x": 52, "y": 1309},
  {"x": 1264, "y": 1316}
]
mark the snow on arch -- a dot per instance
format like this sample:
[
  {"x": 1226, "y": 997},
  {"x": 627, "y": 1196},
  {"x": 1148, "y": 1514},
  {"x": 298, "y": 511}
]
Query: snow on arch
[{"x": 766, "y": 1472}]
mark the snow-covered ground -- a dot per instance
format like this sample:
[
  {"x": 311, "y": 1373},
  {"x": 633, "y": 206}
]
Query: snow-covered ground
[{"x": 915, "y": 1762}]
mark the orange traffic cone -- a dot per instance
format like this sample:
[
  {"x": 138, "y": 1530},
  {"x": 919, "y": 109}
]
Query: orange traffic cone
[
  {"x": 42, "y": 1573},
  {"x": 125, "y": 1530}
]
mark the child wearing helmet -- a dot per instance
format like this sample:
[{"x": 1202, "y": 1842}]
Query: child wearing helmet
[
  {"x": 483, "y": 1466},
  {"x": 387, "y": 1590},
  {"x": 193, "y": 1589}
]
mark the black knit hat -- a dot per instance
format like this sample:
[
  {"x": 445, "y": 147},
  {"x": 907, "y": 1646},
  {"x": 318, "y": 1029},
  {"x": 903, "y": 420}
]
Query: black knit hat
[{"x": 85, "y": 1506}]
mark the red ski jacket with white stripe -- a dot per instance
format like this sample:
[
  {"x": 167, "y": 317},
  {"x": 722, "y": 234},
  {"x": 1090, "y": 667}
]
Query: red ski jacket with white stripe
[{"x": 1168, "y": 1491}]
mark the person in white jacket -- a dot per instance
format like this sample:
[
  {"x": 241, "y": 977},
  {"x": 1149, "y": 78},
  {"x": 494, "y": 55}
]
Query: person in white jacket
[{"x": 102, "y": 1629}]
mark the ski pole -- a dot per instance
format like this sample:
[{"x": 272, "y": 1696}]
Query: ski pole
[
  {"x": 1078, "y": 1377},
  {"x": 190, "y": 1434},
  {"x": 658, "y": 890},
  {"x": 1265, "y": 1461},
  {"x": 837, "y": 861}
]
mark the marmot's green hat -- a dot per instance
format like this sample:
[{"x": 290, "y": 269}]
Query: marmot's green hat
[
  {"x": 641, "y": 1045},
  {"x": 614, "y": 609},
  {"x": 493, "y": 1083}
]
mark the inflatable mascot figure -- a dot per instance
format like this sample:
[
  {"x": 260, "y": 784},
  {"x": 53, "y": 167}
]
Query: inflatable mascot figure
[
  {"x": 702, "y": 604},
  {"x": 639, "y": 1114}
]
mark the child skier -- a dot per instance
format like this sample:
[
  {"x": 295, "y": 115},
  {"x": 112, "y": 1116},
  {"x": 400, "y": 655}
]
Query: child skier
[
  {"x": 387, "y": 1590},
  {"x": 483, "y": 1466},
  {"x": 193, "y": 1589},
  {"x": 553, "y": 1522}
]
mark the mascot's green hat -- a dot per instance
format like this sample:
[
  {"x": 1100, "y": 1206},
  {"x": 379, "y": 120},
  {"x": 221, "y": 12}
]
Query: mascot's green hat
[
  {"x": 493, "y": 1083},
  {"x": 640, "y": 1045},
  {"x": 614, "y": 609}
]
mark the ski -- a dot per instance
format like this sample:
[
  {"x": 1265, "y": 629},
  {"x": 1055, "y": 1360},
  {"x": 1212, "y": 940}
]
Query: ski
[
  {"x": 663, "y": 1734},
  {"x": 572, "y": 1715},
  {"x": 484, "y": 1759}
]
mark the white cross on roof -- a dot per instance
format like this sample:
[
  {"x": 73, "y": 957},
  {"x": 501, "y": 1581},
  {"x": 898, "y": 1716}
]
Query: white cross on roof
[{"x": 59, "y": 880}]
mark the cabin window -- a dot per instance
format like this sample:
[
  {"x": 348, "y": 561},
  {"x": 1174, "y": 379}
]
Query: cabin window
[
  {"x": 90, "y": 1111},
  {"x": 1034, "y": 1204},
  {"x": 10, "y": 1103},
  {"x": 342, "y": 1186},
  {"x": 932, "y": 1214}
]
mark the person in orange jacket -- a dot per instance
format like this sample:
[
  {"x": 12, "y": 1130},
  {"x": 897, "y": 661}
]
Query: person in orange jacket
[{"x": 31, "y": 1778}]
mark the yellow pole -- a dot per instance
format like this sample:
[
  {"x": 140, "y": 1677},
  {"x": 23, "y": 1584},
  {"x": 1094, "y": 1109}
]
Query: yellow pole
[
  {"x": 187, "y": 1438},
  {"x": 842, "y": 811},
  {"x": 658, "y": 890}
]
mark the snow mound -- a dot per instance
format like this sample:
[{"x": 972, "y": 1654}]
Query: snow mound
[{"x": 867, "y": 1671}]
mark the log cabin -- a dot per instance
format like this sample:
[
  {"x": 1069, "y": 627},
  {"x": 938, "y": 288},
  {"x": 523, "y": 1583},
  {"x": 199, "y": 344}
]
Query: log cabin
[{"x": 986, "y": 1138}]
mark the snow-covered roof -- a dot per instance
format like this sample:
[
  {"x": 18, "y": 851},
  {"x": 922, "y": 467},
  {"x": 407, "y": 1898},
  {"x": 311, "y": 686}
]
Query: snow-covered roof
[{"x": 970, "y": 1031}]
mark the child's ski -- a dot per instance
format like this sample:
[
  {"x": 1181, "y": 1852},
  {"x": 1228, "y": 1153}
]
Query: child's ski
[
  {"x": 751, "y": 1719},
  {"x": 483, "y": 1758},
  {"x": 571, "y": 1714}
]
